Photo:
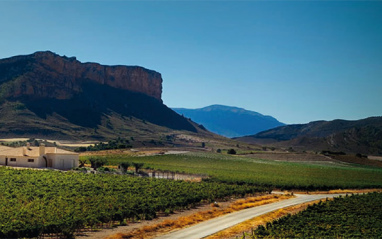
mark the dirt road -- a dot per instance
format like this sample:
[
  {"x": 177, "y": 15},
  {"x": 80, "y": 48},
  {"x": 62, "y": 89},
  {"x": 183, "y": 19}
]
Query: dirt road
[{"x": 212, "y": 226}]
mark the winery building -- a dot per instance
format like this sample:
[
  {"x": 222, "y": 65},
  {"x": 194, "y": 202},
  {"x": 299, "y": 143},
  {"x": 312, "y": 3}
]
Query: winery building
[{"x": 38, "y": 157}]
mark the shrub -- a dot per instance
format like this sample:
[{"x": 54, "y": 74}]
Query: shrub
[
  {"x": 81, "y": 163},
  {"x": 80, "y": 169},
  {"x": 124, "y": 166},
  {"x": 361, "y": 155},
  {"x": 80, "y": 149},
  {"x": 97, "y": 162},
  {"x": 231, "y": 151},
  {"x": 138, "y": 166},
  {"x": 103, "y": 169}
]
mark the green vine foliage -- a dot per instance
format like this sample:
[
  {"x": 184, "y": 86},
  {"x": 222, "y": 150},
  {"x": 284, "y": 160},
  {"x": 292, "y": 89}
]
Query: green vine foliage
[
  {"x": 356, "y": 216},
  {"x": 35, "y": 202}
]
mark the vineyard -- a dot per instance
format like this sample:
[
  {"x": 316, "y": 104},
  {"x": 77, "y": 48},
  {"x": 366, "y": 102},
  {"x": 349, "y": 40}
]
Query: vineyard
[
  {"x": 346, "y": 217},
  {"x": 242, "y": 170},
  {"x": 34, "y": 202}
]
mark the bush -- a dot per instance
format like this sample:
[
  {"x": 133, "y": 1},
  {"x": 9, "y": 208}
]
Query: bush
[
  {"x": 327, "y": 153},
  {"x": 80, "y": 149},
  {"x": 81, "y": 169},
  {"x": 144, "y": 174},
  {"x": 361, "y": 155},
  {"x": 231, "y": 151},
  {"x": 97, "y": 162},
  {"x": 124, "y": 166},
  {"x": 138, "y": 166},
  {"x": 81, "y": 163},
  {"x": 103, "y": 169}
]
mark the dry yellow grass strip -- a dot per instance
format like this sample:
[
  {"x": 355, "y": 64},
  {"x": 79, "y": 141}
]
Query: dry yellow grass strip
[
  {"x": 349, "y": 191},
  {"x": 355, "y": 190},
  {"x": 248, "y": 225},
  {"x": 169, "y": 225}
]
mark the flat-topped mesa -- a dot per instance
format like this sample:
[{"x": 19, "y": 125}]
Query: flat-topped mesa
[{"x": 46, "y": 74}]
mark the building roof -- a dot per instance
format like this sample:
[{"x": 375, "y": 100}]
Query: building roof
[{"x": 31, "y": 151}]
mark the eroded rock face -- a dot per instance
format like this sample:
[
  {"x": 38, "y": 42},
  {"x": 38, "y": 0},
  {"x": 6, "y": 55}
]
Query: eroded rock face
[{"x": 48, "y": 75}]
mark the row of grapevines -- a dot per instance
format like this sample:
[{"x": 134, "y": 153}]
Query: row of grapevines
[
  {"x": 33, "y": 202},
  {"x": 243, "y": 170},
  {"x": 346, "y": 217}
]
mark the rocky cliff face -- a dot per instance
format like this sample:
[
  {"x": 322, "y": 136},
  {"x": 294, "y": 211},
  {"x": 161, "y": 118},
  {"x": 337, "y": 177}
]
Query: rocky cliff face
[
  {"x": 47, "y": 95},
  {"x": 48, "y": 75}
]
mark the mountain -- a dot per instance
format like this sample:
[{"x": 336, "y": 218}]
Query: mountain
[
  {"x": 230, "y": 121},
  {"x": 359, "y": 136},
  {"x": 47, "y": 95}
]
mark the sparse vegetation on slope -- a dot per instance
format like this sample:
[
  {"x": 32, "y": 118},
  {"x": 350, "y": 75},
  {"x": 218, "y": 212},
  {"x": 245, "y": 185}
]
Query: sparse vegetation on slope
[{"x": 360, "y": 136}]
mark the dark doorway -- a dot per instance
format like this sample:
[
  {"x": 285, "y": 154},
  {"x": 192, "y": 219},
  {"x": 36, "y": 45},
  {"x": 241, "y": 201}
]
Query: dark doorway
[{"x": 46, "y": 161}]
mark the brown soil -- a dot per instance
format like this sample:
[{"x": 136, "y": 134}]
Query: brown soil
[{"x": 358, "y": 160}]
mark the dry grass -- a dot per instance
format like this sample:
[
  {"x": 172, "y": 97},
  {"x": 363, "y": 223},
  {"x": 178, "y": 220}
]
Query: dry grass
[
  {"x": 169, "y": 225},
  {"x": 251, "y": 224},
  {"x": 355, "y": 191},
  {"x": 256, "y": 201},
  {"x": 349, "y": 191}
]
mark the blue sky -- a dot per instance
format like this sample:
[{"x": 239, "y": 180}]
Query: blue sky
[{"x": 298, "y": 61}]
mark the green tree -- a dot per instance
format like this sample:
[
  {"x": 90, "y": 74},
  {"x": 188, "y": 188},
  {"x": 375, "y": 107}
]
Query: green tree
[
  {"x": 81, "y": 163},
  {"x": 124, "y": 166},
  {"x": 138, "y": 166},
  {"x": 97, "y": 162}
]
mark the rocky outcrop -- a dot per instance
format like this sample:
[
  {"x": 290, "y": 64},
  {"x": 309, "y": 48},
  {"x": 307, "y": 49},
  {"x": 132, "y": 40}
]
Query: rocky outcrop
[
  {"x": 48, "y": 75},
  {"x": 47, "y": 95}
]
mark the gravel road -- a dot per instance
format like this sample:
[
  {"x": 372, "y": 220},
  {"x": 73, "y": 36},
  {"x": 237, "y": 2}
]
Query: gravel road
[{"x": 212, "y": 226}]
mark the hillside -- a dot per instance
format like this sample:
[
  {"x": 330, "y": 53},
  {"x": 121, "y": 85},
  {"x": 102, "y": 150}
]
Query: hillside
[
  {"x": 230, "y": 121},
  {"x": 359, "y": 136},
  {"x": 47, "y": 95}
]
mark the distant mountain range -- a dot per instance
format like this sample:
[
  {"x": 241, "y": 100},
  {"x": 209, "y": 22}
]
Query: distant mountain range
[
  {"x": 47, "y": 95},
  {"x": 230, "y": 121},
  {"x": 359, "y": 136}
]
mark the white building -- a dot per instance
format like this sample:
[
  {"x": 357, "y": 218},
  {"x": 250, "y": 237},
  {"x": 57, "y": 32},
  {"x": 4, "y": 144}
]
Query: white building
[{"x": 38, "y": 157}]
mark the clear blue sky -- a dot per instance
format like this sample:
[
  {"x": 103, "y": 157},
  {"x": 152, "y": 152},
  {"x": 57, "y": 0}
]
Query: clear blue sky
[{"x": 298, "y": 61}]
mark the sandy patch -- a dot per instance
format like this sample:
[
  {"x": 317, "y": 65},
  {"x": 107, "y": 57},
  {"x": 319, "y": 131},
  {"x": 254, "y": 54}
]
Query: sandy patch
[
  {"x": 176, "y": 152},
  {"x": 13, "y": 139},
  {"x": 60, "y": 143},
  {"x": 379, "y": 158}
]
